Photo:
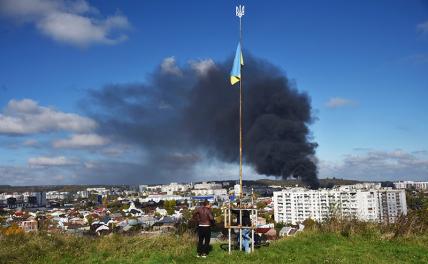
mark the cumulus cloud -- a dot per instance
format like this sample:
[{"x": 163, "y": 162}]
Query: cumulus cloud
[
  {"x": 336, "y": 102},
  {"x": 26, "y": 116},
  {"x": 202, "y": 66},
  {"x": 72, "y": 22},
  {"x": 379, "y": 165},
  {"x": 50, "y": 161},
  {"x": 37, "y": 175},
  {"x": 423, "y": 27},
  {"x": 169, "y": 66},
  {"x": 81, "y": 141}
]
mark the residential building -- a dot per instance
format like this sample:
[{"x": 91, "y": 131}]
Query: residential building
[
  {"x": 142, "y": 188},
  {"x": 82, "y": 194},
  {"x": 174, "y": 187},
  {"x": 55, "y": 195},
  {"x": 35, "y": 199},
  {"x": 411, "y": 184},
  {"x": 207, "y": 186},
  {"x": 294, "y": 205}
]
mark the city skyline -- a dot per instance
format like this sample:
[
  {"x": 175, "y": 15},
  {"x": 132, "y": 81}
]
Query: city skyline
[{"x": 363, "y": 65}]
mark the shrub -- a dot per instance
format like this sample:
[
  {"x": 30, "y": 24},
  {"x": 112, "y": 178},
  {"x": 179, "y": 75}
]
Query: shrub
[{"x": 13, "y": 230}]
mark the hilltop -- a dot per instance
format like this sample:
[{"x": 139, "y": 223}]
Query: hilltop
[{"x": 308, "y": 247}]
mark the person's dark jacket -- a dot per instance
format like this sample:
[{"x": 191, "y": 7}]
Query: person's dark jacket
[{"x": 204, "y": 216}]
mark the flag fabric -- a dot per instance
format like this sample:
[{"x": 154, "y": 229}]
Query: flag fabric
[{"x": 235, "y": 74}]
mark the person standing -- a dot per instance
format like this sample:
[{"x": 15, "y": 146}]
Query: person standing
[{"x": 205, "y": 218}]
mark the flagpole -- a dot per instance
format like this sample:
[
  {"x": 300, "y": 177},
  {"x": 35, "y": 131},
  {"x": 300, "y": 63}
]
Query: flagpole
[{"x": 240, "y": 13}]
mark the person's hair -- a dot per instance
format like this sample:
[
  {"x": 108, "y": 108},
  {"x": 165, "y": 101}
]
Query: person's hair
[{"x": 205, "y": 203}]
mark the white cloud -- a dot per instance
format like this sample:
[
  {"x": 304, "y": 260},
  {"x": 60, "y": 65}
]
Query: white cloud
[
  {"x": 38, "y": 175},
  {"x": 169, "y": 66},
  {"x": 81, "y": 141},
  {"x": 71, "y": 22},
  {"x": 50, "y": 161},
  {"x": 115, "y": 151},
  {"x": 423, "y": 27},
  {"x": 379, "y": 165},
  {"x": 30, "y": 143},
  {"x": 202, "y": 66},
  {"x": 25, "y": 116},
  {"x": 336, "y": 102}
]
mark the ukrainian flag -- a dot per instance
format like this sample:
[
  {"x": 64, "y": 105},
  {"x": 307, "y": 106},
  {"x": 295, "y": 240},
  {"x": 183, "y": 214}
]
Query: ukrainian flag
[{"x": 235, "y": 74}]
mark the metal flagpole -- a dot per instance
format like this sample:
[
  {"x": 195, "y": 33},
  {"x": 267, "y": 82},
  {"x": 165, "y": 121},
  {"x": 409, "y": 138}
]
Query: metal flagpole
[{"x": 240, "y": 11}]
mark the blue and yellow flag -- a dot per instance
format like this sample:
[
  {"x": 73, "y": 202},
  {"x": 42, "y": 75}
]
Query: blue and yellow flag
[{"x": 235, "y": 74}]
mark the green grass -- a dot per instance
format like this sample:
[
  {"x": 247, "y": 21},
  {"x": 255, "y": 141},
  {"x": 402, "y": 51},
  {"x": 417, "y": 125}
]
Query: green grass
[{"x": 310, "y": 247}]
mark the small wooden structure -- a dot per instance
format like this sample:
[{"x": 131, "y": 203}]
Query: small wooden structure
[{"x": 231, "y": 223}]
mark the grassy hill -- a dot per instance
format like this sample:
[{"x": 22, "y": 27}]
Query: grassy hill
[{"x": 307, "y": 247}]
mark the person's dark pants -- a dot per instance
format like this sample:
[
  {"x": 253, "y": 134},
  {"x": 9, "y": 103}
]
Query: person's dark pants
[{"x": 204, "y": 233}]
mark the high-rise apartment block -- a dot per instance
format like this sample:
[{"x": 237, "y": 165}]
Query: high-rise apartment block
[{"x": 375, "y": 204}]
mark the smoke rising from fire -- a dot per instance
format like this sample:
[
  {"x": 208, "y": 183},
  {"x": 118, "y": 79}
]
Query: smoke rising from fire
[{"x": 183, "y": 115}]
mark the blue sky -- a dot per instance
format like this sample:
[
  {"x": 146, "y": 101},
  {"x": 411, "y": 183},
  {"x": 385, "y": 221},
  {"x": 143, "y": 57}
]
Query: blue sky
[{"x": 363, "y": 63}]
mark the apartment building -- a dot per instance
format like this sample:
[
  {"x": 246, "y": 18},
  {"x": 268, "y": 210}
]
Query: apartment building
[
  {"x": 418, "y": 185},
  {"x": 295, "y": 205}
]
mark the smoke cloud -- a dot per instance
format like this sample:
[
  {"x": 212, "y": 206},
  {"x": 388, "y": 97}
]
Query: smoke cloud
[{"x": 186, "y": 115}]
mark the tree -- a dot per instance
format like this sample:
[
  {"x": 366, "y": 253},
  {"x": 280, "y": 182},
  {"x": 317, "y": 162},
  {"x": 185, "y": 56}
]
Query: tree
[
  {"x": 261, "y": 205},
  {"x": 14, "y": 229},
  {"x": 169, "y": 206}
]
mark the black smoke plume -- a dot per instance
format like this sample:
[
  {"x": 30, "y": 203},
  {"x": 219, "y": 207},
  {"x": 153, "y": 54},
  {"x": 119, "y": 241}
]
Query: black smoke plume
[{"x": 180, "y": 113}]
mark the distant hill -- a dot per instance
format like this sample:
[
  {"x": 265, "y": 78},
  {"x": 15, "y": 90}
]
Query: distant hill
[{"x": 60, "y": 188}]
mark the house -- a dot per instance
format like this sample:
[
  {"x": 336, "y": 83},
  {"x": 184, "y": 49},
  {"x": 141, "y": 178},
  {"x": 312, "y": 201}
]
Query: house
[
  {"x": 147, "y": 221},
  {"x": 161, "y": 211},
  {"x": 132, "y": 210},
  {"x": 29, "y": 225},
  {"x": 166, "y": 224},
  {"x": 290, "y": 231}
]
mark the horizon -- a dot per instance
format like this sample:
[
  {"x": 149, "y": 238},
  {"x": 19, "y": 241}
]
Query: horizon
[
  {"x": 82, "y": 83},
  {"x": 208, "y": 181}
]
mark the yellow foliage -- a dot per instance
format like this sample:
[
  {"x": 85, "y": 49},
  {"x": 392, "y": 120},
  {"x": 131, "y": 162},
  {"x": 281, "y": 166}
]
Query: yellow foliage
[{"x": 14, "y": 229}]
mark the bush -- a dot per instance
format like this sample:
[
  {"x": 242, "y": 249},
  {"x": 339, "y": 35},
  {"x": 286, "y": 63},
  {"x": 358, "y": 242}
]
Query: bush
[
  {"x": 309, "y": 224},
  {"x": 13, "y": 230}
]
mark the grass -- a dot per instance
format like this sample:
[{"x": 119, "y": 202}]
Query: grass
[{"x": 308, "y": 247}]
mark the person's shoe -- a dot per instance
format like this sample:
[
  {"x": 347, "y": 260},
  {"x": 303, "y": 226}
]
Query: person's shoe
[
  {"x": 204, "y": 255},
  {"x": 198, "y": 255}
]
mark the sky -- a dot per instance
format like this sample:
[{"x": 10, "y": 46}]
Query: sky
[{"x": 364, "y": 64}]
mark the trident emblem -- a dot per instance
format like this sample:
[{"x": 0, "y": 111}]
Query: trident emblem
[{"x": 240, "y": 11}]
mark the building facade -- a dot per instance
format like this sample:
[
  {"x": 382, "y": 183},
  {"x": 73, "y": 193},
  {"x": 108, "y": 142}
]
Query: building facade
[
  {"x": 295, "y": 205},
  {"x": 411, "y": 184}
]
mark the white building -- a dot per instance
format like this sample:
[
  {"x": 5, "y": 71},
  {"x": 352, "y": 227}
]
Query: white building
[
  {"x": 207, "y": 186},
  {"x": 210, "y": 189},
  {"x": 55, "y": 195},
  {"x": 161, "y": 197},
  {"x": 237, "y": 189},
  {"x": 82, "y": 194},
  {"x": 295, "y": 205},
  {"x": 142, "y": 188},
  {"x": 154, "y": 188},
  {"x": 175, "y": 187},
  {"x": 100, "y": 190},
  {"x": 411, "y": 184}
]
